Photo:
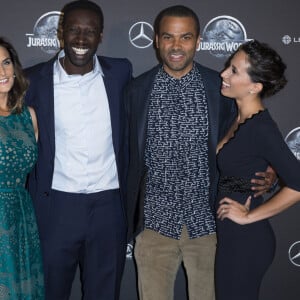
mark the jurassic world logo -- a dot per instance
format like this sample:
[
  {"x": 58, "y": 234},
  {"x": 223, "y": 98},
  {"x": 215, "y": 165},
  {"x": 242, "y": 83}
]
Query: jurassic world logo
[
  {"x": 293, "y": 141},
  {"x": 44, "y": 34},
  {"x": 222, "y": 36}
]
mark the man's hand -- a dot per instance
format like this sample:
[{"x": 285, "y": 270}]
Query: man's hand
[{"x": 265, "y": 183}]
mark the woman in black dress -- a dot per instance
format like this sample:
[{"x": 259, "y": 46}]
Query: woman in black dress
[{"x": 246, "y": 242}]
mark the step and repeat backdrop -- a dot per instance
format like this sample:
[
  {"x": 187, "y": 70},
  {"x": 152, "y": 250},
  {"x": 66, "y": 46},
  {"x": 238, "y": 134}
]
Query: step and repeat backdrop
[{"x": 31, "y": 26}]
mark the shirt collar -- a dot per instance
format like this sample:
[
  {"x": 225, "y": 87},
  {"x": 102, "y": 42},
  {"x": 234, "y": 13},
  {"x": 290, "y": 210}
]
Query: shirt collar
[
  {"x": 184, "y": 80},
  {"x": 62, "y": 73}
]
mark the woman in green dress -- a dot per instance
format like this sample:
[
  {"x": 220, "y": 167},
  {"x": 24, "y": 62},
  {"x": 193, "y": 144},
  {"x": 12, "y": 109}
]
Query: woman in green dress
[{"x": 21, "y": 273}]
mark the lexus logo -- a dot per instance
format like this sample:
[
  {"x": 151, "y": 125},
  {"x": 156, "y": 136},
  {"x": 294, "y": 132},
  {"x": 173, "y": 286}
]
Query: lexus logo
[
  {"x": 294, "y": 254},
  {"x": 286, "y": 39},
  {"x": 141, "y": 35}
]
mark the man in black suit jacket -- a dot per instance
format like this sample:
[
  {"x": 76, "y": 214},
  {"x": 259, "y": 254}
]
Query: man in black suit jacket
[
  {"x": 176, "y": 116},
  {"x": 78, "y": 183}
]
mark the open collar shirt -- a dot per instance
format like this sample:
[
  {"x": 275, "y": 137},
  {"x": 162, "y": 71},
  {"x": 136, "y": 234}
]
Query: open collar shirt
[{"x": 84, "y": 155}]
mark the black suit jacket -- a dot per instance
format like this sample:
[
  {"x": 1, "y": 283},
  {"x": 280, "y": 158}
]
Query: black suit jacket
[
  {"x": 220, "y": 111},
  {"x": 40, "y": 95}
]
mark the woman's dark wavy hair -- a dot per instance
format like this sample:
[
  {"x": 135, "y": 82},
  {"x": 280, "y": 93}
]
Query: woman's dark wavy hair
[
  {"x": 266, "y": 67},
  {"x": 18, "y": 90}
]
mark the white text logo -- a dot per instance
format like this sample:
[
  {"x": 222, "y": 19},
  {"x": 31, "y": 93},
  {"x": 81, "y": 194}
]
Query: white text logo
[
  {"x": 287, "y": 39},
  {"x": 222, "y": 36},
  {"x": 44, "y": 33}
]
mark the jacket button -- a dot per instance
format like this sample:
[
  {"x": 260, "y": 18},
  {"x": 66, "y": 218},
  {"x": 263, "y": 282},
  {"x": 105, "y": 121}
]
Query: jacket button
[{"x": 46, "y": 194}]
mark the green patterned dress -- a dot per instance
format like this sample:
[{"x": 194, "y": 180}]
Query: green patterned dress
[{"x": 21, "y": 274}]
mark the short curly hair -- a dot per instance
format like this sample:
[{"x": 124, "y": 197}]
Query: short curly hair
[
  {"x": 176, "y": 11},
  {"x": 83, "y": 5}
]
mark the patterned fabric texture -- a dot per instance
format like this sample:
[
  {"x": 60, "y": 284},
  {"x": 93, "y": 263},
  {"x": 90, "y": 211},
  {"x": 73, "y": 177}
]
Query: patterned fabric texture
[
  {"x": 177, "y": 186},
  {"x": 21, "y": 274}
]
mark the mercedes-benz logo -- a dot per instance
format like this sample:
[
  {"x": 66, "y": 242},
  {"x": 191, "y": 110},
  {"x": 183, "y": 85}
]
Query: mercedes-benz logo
[
  {"x": 129, "y": 250},
  {"x": 141, "y": 35},
  {"x": 294, "y": 254}
]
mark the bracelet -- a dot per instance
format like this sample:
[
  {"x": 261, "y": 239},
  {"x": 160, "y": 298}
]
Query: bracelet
[{"x": 274, "y": 186}]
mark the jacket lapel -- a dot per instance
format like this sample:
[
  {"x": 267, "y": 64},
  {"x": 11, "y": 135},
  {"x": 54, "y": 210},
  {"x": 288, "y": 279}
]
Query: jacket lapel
[
  {"x": 45, "y": 110},
  {"x": 143, "y": 99},
  {"x": 142, "y": 122},
  {"x": 213, "y": 108},
  {"x": 112, "y": 95}
]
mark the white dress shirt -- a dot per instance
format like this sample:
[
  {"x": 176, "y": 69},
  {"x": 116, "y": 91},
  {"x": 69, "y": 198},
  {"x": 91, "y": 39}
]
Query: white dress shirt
[{"x": 84, "y": 155}]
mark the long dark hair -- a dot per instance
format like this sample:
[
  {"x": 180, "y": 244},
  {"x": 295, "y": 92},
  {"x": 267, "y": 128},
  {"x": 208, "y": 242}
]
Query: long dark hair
[{"x": 18, "y": 90}]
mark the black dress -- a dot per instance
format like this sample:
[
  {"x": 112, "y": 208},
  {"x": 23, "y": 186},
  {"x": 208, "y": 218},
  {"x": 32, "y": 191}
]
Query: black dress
[{"x": 244, "y": 252}]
